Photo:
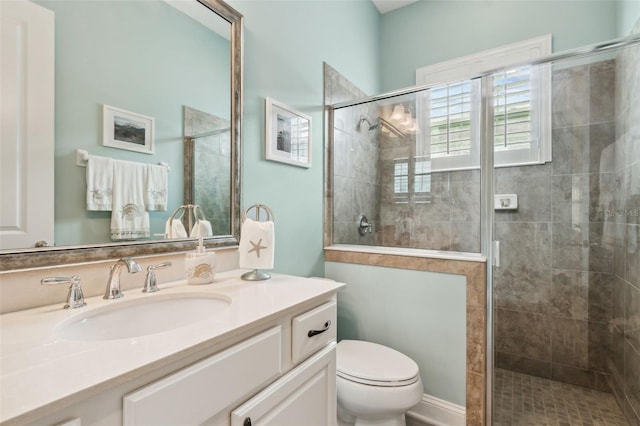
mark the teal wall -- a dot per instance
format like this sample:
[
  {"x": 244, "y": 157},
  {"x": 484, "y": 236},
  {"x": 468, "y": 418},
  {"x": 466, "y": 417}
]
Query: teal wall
[
  {"x": 628, "y": 16},
  {"x": 421, "y": 314},
  {"x": 431, "y": 31},
  {"x": 286, "y": 43},
  {"x": 100, "y": 48}
]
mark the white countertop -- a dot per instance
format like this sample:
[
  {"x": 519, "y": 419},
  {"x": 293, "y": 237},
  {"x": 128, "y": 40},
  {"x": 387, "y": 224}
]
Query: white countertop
[{"x": 39, "y": 371}]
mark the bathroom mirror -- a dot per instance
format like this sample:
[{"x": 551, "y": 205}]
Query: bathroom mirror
[{"x": 164, "y": 31}]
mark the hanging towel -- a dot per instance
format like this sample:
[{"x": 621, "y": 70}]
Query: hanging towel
[
  {"x": 257, "y": 241},
  {"x": 174, "y": 228},
  {"x": 201, "y": 227},
  {"x": 99, "y": 183},
  {"x": 157, "y": 188},
  {"x": 129, "y": 219}
]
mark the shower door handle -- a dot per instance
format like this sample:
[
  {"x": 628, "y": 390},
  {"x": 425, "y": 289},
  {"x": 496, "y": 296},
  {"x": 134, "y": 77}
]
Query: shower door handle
[{"x": 496, "y": 254}]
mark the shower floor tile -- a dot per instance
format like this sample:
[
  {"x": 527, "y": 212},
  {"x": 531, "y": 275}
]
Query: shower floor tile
[{"x": 523, "y": 400}]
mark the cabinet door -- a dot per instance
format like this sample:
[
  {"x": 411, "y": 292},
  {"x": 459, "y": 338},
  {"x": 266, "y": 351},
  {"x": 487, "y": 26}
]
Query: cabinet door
[
  {"x": 304, "y": 396},
  {"x": 201, "y": 391}
]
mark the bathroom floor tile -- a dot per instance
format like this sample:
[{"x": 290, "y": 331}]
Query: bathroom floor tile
[{"x": 523, "y": 400}]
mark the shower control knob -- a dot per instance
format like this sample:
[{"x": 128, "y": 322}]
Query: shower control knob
[{"x": 364, "y": 226}]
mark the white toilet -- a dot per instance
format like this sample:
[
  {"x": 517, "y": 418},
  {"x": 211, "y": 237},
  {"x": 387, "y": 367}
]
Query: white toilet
[{"x": 376, "y": 384}]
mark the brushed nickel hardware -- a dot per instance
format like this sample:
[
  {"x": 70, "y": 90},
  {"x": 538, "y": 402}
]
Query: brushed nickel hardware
[
  {"x": 150, "y": 285},
  {"x": 75, "y": 297},
  {"x": 113, "y": 285}
]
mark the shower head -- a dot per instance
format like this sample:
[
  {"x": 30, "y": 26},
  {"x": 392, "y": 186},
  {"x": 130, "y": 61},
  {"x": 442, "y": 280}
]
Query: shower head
[{"x": 370, "y": 127}]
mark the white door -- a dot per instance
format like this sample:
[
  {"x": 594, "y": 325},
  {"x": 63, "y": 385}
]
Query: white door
[
  {"x": 27, "y": 124},
  {"x": 304, "y": 396}
]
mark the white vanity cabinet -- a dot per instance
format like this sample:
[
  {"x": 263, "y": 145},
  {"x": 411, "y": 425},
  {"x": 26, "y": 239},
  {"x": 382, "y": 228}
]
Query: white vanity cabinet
[
  {"x": 200, "y": 393},
  {"x": 272, "y": 363},
  {"x": 305, "y": 396}
]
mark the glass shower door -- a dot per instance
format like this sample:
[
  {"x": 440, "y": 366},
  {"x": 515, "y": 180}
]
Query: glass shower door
[{"x": 567, "y": 282}]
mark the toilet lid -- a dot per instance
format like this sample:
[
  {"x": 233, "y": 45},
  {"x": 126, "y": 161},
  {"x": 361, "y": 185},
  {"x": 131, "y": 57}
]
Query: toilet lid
[{"x": 371, "y": 363}]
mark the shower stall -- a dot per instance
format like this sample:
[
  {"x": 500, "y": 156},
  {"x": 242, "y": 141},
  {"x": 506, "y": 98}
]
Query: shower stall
[{"x": 537, "y": 167}]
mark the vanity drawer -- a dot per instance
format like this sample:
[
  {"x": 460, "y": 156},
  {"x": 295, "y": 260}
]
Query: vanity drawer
[
  {"x": 313, "y": 330},
  {"x": 197, "y": 393}
]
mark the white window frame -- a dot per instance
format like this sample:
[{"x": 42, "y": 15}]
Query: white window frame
[{"x": 468, "y": 67}]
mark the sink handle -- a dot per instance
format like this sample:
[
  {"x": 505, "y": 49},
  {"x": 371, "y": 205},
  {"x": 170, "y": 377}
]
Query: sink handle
[
  {"x": 75, "y": 297},
  {"x": 150, "y": 285}
]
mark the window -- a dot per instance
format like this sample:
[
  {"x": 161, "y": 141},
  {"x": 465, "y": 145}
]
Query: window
[
  {"x": 412, "y": 180},
  {"x": 450, "y": 112},
  {"x": 452, "y": 115},
  {"x": 401, "y": 178}
]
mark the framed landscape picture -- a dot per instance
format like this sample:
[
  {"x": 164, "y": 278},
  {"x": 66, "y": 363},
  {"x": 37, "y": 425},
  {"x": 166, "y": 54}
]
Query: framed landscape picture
[{"x": 127, "y": 130}]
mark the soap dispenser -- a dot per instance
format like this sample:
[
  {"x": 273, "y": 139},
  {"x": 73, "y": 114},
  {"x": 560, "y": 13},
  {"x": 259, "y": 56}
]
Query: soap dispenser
[{"x": 200, "y": 266}]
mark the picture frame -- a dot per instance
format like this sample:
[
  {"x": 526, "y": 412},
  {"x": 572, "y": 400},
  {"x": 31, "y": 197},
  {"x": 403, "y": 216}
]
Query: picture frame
[
  {"x": 288, "y": 134},
  {"x": 128, "y": 130}
]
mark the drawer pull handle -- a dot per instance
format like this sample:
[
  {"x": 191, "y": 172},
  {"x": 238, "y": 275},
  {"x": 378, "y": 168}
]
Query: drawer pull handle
[
  {"x": 247, "y": 421},
  {"x": 312, "y": 333}
]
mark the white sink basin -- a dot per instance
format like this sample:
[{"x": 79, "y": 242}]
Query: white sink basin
[{"x": 123, "y": 319}]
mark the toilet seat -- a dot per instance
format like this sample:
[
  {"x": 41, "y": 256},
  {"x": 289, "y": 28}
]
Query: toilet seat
[{"x": 374, "y": 365}]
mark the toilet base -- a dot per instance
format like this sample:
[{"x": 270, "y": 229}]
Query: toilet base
[{"x": 346, "y": 419}]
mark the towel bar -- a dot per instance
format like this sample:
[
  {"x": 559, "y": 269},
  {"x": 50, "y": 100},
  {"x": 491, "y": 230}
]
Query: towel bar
[{"x": 82, "y": 156}]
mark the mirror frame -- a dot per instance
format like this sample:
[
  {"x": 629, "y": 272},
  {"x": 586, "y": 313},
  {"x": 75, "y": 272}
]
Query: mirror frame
[{"x": 53, "y": 256}]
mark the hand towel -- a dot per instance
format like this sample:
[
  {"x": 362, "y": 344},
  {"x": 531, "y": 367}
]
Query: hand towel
[
  {"x": 257, "y": 244},
  {"x": 201, "y": 227},
  {"x": 129, "y": 219},
  {"x": 174, "y": 228},
  {"x": 157, "y": 188},
  {"x": 99, "y": 183}
]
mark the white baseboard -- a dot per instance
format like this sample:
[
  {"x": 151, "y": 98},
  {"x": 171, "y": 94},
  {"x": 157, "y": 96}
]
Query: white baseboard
[{"x": 438, "y": 412}]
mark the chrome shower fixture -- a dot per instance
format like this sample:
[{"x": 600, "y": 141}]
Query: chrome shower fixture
[{"x": 364, "y": 119}]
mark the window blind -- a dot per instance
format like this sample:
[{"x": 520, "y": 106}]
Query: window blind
[
  {"x": 512, "y": 109},
  {"x": 450, "y": 119}
]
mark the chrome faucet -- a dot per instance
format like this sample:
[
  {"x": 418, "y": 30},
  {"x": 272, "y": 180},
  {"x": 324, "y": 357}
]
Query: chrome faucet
[
  {"x": 75, "y": 297},
  {"x": 150, "y": 285},
  {"x": 113, "y": 285}
]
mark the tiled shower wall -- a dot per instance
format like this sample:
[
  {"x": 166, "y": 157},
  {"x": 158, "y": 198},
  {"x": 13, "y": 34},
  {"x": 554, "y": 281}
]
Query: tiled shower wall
[
  {"x": 355, "y": 180},
  {"x": 363, "y": 178},
  {"x": 355, "y": 177},
  {"x": 624, "y": 217},
  {"x": 450, "y": 220}
]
